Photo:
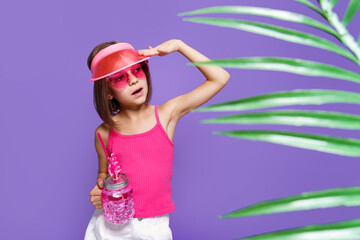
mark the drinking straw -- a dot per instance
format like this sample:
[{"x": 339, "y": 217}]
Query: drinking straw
[{"x": 103, "y": 145}]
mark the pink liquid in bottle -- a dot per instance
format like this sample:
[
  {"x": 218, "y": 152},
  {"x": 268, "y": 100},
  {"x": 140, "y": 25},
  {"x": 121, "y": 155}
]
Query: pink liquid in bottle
[{"x": 117, "y": 198}]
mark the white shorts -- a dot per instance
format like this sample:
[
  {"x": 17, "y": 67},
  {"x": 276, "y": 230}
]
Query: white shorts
[{"x": 152, "y": 228}]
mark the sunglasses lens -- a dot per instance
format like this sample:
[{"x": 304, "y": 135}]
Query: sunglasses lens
[{"x": 121, "y": 79}]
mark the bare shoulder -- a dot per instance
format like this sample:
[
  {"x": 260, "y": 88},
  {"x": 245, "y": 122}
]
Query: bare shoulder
[{"x": 103, "y": 129}]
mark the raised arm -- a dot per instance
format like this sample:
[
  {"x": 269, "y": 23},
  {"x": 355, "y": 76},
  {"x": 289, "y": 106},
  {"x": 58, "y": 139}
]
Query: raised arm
[{"x": 216, "y": 79}]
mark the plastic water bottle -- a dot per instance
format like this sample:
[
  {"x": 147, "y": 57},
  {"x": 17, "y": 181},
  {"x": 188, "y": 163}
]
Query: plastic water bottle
[{"x": 118, "y": 200}]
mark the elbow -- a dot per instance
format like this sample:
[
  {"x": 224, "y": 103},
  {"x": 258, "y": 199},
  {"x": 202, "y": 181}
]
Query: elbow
[
  {"x": 226, "y": 79},
  {"x": 221, "y": 80},
  {"x": 228, "y": 76}
]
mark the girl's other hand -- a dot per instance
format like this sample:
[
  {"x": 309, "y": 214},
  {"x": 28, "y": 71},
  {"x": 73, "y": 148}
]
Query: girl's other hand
[
  {"x": 95, "y": 194},
  {"x": 162, "y": 49}
]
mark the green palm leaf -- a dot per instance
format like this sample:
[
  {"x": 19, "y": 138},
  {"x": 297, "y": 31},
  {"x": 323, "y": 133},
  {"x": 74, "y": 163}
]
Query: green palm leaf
[
  {"x": 333, "y": 2},
  {"x": 340, "y": 146},
  {"x": 276, "y": 32},
  {"x": 345, "y": 230},
  {"x": 297, "y": 66},
  {"x": 311, "y": 6},
  {"x": 323, "y": 143},
  {"x": 305, "y": 201},
  {"x": 351, "y": 11},
  {"x": 345, "y": 37},
  {"x": 285, "y": 98},
  {"x": 273, "y": 13},
  {"x": 293, "y": 117}
]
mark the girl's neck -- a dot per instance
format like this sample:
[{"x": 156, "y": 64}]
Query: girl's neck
[{"x": 133, "y": 113}]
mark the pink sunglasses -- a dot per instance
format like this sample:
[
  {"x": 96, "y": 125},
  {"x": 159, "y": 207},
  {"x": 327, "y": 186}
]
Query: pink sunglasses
[{"x": 121, "y": 79}]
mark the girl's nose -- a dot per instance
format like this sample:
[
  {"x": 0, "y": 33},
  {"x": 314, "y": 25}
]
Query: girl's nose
[{"x": 132, "y": 79}]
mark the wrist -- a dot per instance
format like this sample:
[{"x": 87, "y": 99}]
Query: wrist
[
  {"x": 181, "y": 45},
  {"x": 101, "y": 175}
]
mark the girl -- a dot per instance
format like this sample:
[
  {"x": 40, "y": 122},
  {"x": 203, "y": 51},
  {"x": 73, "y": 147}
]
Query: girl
[{"x": 139, "y": 133}]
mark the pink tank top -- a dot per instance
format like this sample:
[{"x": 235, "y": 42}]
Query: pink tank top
[{"x": 147, "y": 160}]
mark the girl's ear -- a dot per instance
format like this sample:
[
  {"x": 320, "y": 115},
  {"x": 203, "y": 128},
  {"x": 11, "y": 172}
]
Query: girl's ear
[{"x": 110, "y": 96}]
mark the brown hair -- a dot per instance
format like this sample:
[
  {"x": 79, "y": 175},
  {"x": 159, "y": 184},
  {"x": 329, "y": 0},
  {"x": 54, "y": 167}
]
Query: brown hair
[{"x": 105, "y": 107}]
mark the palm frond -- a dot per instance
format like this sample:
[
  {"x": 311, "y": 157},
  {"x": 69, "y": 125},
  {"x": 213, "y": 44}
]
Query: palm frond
[
  {"x": 335, "y": 197},
  {"x": 266, "y": 12},
  {"x": 351, "y": 11},
  {"x": 346, "y": 230},
  {"x": 345, "y": 37},
  {"x": 276, "y": 32},
  {"x": 285, "y": 98},
  {"x": 297, "y": 66},
  {"x": 333, "y": 2},
  {"x": 293, "y": 118},
  {"x": 311, "y": 6},
  {"x": 322, "y": 143}
]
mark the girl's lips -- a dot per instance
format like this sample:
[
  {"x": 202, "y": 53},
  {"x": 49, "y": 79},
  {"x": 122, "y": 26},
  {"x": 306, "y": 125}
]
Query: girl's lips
[{"x": 139, "y": 93}]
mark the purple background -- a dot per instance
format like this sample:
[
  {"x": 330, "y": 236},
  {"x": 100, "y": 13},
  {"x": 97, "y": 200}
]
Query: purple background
[{"x": 48, "y": 160}]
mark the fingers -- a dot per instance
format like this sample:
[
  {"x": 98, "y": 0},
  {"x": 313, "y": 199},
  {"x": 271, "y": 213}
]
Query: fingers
[
  {"x": 99, "y": 206},
  {"x": 95, "y": 192},
  {"x": 162, "y": 49},
  {"x": 95, "y": 197},
  {"x": 96, "y": 201},
  {"x": 148, "y": 52}
]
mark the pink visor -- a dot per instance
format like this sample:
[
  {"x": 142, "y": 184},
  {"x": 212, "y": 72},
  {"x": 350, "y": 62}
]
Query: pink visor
[{"x": 114, "y": 58}]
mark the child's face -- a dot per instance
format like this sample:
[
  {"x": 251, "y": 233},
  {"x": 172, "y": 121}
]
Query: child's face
[{"x": 125, "y": 82}]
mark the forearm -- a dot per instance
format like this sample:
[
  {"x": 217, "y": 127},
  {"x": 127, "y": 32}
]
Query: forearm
[{"x": 212, "y": 73}]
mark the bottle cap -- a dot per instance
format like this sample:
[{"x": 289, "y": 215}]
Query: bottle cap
[{"x": 111, "y": 183}]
